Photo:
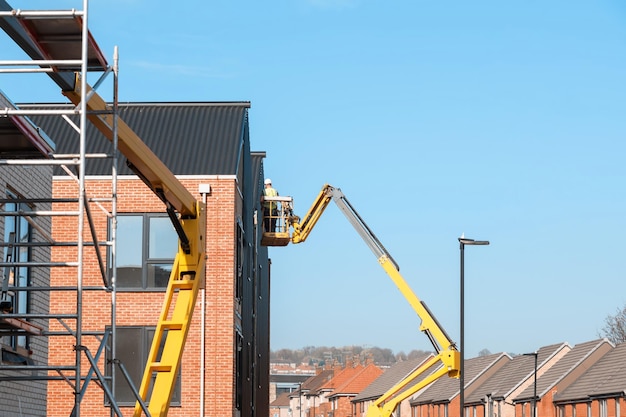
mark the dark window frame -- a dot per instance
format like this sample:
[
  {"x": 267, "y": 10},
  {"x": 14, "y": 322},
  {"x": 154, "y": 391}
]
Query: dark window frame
[
  {"x": 132, "y": 359},
  {"x": 153, "y": 272},
  {"x": 21, "y": 274}
]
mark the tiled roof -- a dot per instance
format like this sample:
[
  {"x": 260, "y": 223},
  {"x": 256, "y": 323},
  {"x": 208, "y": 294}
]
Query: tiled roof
[
  {"x": 315, "y": 382},
  {"x": 281, "y": 401},
  {"x": 200, "y": 138},
  {"x": 341, "y": 377},
  {"x": 391, "y": 377},
  {"x": 445, "y": 389},
  {"x": 562, "y": 368},
  {"x": 511, "y": 375},
  {"x": 607, "y": 376},
  {"x": 358, "y": 381}
]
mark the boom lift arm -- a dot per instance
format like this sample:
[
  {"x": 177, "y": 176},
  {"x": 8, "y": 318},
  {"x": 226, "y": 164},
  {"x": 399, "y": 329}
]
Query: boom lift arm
[
  {"x": 447, "y": 355},
  {"x": 188, "y": 272}
]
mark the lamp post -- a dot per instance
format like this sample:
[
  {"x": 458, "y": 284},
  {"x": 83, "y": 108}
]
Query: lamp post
[
  {"x": 534, "y": 402},
  {"x": 463, "y": 241}
]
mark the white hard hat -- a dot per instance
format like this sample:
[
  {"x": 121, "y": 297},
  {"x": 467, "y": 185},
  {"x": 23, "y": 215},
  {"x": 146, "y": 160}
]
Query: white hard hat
[{"x": 268, "y": 181}]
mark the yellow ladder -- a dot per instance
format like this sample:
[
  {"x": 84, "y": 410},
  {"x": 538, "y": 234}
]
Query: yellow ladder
[{"x": 187, "y": 277}]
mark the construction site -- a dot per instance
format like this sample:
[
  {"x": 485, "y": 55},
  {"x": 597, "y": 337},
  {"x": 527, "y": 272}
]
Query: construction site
[{"x": 135, "y": 273}]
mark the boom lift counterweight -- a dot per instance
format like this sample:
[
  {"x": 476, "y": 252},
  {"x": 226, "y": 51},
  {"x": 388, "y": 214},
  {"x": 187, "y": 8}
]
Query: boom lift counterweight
[{"x": 446, "y": 358}]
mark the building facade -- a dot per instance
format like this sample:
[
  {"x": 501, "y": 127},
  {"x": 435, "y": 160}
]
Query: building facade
[{"x": 225, "y": 364}]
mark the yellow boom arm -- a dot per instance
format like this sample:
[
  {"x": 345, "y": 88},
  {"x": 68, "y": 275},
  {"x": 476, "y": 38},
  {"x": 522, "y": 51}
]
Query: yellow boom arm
[
  {"x": 188, "y": 218},
  {"x": 447, "y": 355}
]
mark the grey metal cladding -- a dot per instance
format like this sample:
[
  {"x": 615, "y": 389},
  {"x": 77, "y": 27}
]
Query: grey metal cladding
[{"x": 200, "y": 138}]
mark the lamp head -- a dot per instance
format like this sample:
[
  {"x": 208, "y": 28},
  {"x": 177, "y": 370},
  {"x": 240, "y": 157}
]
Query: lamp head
[{"x": 467, "y": 241}]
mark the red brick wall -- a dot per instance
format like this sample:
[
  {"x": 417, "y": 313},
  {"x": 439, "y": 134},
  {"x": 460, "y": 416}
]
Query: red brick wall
[
  {"x": 434, "y": 410},
  {"x": 144, "y": 308}
]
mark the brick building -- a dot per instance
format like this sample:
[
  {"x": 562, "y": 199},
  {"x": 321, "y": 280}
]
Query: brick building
[{"x": 207, "y": 146}]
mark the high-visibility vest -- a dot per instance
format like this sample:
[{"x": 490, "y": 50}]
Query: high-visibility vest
[{"x": 270, "y": 192}]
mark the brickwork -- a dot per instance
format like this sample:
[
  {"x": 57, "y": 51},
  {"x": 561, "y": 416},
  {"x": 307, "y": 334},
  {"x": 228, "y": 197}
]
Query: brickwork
[
  {"x": 28, "y": 398},
  {"x": 143, "y": 308}
]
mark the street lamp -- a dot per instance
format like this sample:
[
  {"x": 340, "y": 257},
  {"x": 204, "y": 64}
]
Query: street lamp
[
  {"x": 462, "y": 242},
  {"x": 534, "y": 402}
]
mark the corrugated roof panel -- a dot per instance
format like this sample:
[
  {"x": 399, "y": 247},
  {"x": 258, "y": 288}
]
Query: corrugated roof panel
[
  {"x": 257, "y": 173},
  {"x": 190, "y": 138}
]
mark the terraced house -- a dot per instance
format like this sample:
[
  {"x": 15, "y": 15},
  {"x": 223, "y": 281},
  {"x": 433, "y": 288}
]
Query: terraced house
[{"x": 558, "y": 380}]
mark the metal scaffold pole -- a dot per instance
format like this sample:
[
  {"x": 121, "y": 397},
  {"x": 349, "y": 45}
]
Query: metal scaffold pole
[{"x": 42, "y": 255}]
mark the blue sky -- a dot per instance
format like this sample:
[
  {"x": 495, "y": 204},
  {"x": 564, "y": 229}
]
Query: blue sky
[{"x": 501, "y": 120}]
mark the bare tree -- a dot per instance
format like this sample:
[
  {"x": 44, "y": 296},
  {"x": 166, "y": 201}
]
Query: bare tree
[{"x": 615, "y": 326}]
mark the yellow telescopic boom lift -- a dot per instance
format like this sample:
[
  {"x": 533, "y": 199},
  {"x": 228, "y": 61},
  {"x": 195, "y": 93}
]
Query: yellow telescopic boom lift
[{"x": 446, "y": 360}]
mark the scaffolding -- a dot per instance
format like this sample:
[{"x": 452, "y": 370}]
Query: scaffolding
[{"x": 59, "y": 45}]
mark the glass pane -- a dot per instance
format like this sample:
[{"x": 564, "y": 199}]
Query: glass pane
[
  {"x": 163, "y": 239},
  {"x": 23, "y": 255},
  {"x": 129, "y": 343},
  {"x": 159, "y": 275},
  {"x": 129, "y": 251},
  {"x": 129, "y": 238},
  {"x": 176, "y": 395},
  {"x": 9, "y": 227},
  {"x": 24, "y": 228}
]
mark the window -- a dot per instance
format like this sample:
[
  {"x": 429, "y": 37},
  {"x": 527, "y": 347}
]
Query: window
[
  {"x": 146, "y": 247},
  {"x": 16, "y": 231},
  {"x": 132, "y": 346}
]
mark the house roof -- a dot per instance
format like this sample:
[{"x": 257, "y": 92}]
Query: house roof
[
  {"x": 313, "y": 383},
  {"x": 281, "y": 401},
  {"x": 358, "y": 381},
  {"x": 391, "y": 377},
  {"x": 445, "y": 389},
  {"x": 606, "y": 377},
  {"x": 514, "y": 373},
  {"x": 562, "y": 368},
  {"x": 191, "y": 138},
  {"x": 340, "y": 378}
]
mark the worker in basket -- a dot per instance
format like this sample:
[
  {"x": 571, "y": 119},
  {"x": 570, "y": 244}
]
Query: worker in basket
[{"x": 270, "y": 208}]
